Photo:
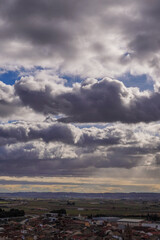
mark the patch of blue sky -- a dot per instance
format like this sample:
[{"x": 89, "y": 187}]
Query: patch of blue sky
[
  {"x": 89, "y": 125},
  {"x": 8, "y": 122},
  {"x": 143, "y": 82},
  {"x": 71, "y": 79},
  {"x": 9, "y": 77}
]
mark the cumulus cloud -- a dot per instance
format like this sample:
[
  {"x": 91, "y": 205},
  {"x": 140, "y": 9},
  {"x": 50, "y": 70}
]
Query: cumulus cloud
[
  {"x": 9, "y": 103},
  {"x": 23, "y": 132},
  {"x": 106, "y": 100},
  {"x": 57, "y": 132},
  {"x": 11, "y": 107}
]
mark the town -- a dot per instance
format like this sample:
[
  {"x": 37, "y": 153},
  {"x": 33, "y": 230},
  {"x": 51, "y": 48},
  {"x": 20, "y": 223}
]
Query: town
[
  {"x": 53, "y": 226},
  {"x": 72, "y": 222}
]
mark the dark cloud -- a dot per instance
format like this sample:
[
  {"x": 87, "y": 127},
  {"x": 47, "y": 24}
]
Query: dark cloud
[
  {"x": 23, "y": 132},
  {"x": 47, "y": 23},
  {"x": 54, "y": 149},
  {"x": 23, "y": 182},
  {"x": 87, "y": 140},
  {"x": 77, "y": 37},
  {"x": 57, "y": 132},
  {"x": 107, "y": 100},
  {"x": 9, "y": 103},
  {"x": 11, "y": 107},
  {"x": 157, "y": 159},
  {"x": 30, "y": 161}
]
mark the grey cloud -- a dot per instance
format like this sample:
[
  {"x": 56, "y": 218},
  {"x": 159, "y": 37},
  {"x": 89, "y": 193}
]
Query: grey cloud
[
  {"x": 63, "y": 34},
  {"x": 9, "y": 103},
  {"x": 157, "y": 159},
  {"x": 143, "y": 35},
  {"x": 50, "y": 23},
  {"x": 28, "y": 132},
  {"x": 106, "y": 100},
  {"x": 93, "y": 140},
  {"x": 32, "y": 160},
  {"x": 17, "y": 182},
  {"x": 137, "y": 146},
  {"x": 57, "y": 132},
  {"x": 11, "y": 107}
]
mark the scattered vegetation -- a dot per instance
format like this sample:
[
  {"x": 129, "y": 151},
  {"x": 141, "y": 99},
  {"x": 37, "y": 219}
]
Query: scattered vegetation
[
  {"x": 59, "y": 211},
  {"x": 11, "y": 213}
]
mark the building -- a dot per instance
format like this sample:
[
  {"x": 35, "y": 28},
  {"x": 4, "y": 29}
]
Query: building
[{"x": 130, "y": 221}]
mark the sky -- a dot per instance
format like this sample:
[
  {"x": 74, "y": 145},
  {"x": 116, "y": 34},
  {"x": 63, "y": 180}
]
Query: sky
[{"x": 79, "y": 95}]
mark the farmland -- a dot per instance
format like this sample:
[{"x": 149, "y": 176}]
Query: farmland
[{"x": 121, "y": 208}]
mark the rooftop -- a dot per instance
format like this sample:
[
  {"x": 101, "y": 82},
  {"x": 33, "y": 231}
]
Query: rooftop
[{"x": 131, "y": 220}]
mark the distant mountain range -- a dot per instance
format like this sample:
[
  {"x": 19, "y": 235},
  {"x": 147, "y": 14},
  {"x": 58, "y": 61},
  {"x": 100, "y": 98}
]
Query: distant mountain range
[{"x": 65, "y": 195}]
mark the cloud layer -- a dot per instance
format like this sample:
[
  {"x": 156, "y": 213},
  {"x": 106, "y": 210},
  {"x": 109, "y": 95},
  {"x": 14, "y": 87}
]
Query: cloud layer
[
  {"x": 70, "y": 113},
  {"x": 56, "y": 149},
  {"x": 106, "y": 100},
  {"x": 91, "y": 38}
]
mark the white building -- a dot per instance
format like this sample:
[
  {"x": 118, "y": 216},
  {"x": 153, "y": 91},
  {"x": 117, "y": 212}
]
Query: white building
[{"x": 130, "y": 221}]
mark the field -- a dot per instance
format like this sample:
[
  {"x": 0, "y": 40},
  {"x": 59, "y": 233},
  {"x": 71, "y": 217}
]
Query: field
[{"x": 121, "y": 208}]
